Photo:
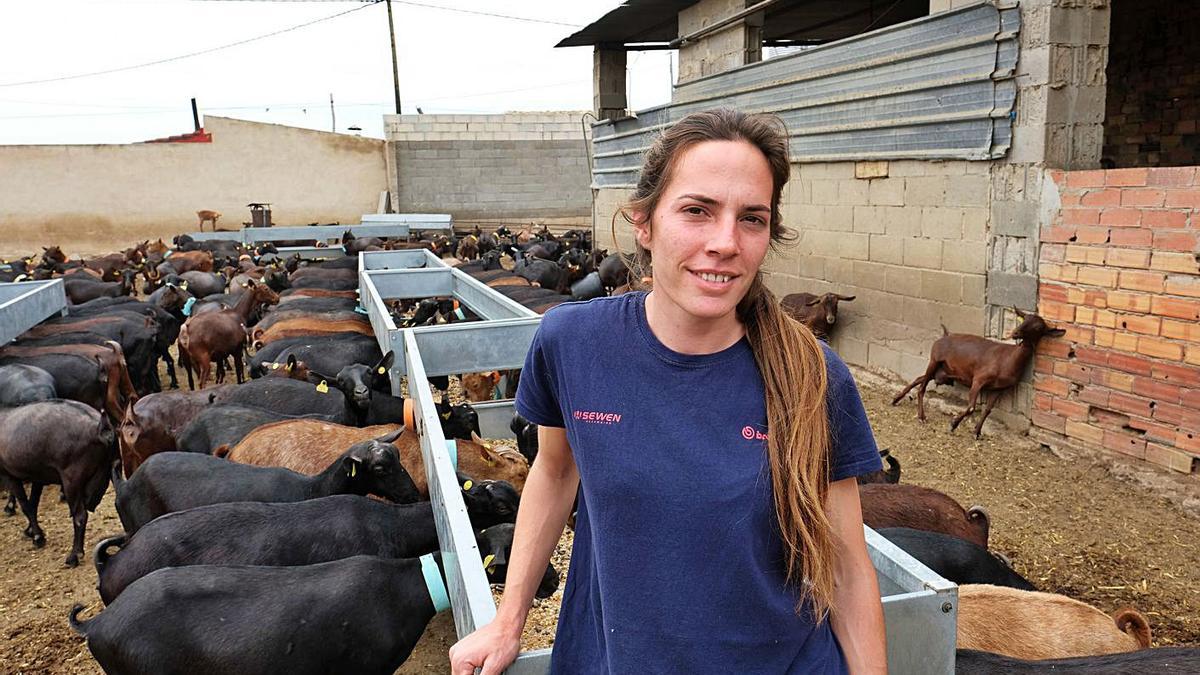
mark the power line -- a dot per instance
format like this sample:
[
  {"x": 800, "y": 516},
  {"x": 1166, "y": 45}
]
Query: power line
[
  {"x": 413, "y": 3},
  {"x": 189, "y": 55}
]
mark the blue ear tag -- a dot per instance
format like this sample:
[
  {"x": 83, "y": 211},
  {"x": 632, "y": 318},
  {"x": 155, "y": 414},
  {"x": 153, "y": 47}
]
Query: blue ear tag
[
  {"x": 360, "y": 310},
  {"x": 167, "y": 255},
  {"x": 187, "y": 306},
  {"x": 452, "y": 448},
  {"x": 434, "y": 584},
  {"x": 459, "y": 313}
]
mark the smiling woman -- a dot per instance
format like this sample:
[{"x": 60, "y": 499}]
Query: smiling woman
[{"x": 710, "y": 388}]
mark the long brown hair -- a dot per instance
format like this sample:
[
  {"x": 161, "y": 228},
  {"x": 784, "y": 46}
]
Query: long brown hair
[{"x": 788, "y": 356}]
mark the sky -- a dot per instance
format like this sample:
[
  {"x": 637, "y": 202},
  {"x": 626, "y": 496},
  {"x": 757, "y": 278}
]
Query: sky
[{"x": 450, "y": 62}]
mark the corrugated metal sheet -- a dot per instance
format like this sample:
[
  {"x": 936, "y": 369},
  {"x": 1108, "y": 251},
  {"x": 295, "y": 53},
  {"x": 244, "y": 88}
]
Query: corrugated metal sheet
[{"x": 939, "y": 87}]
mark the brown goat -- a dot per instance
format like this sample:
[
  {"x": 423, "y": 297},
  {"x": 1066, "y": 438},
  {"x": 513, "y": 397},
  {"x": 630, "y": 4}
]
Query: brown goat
[
  {"x": 479, "y": 386},
  {"x": 920, "y": 508},
  {"x": 320, "y": 293},
  {"x": 310, "y": 446},
  {"x": 118, "y": 387},
  {"x": 1033, "y": 625},
  {"x": 468, "y": 248},
  {"x": 302, "y": 326},
  {"x": 818, "y": 312},
  {"x": 212, "y": 336},
  {"x": 208, "y": 216},
  {"x": 152, "y": 424},
  {"x": 981, "y": 364}
]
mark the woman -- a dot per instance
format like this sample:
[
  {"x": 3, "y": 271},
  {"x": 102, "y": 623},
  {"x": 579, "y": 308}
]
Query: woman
[{"x": 703, "y": 542}]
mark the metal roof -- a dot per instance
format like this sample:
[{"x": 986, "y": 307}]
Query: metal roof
[{"x": 802, "y": 21}]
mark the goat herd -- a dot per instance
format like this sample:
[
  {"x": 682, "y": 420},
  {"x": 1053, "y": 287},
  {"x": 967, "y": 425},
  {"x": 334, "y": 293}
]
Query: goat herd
[{"x": 282, "y": 524}]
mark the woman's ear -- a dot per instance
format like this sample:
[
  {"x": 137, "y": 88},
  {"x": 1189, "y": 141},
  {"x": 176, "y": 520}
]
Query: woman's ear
[{"x": 641, "y": 228}]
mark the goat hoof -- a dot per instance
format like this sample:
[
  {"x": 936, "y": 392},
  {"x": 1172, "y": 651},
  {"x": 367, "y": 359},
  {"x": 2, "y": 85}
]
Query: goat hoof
[
  {"x": 72, "y": 560},
  {"x": 39, "y": 540},
  {"x": 10, "y": 511}
]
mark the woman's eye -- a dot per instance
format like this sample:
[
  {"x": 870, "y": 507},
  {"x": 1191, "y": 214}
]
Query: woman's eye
[{"x": 694, "y": 210}]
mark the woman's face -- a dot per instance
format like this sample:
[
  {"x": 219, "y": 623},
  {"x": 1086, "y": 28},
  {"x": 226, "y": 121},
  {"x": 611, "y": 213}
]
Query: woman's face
[{"x": 711, "y": 229}]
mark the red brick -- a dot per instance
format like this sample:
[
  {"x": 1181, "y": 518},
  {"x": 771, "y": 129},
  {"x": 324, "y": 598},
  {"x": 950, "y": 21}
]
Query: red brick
[
  {"x": 1169, "y": 413},
  {"x": 1058, "y": 349},
  {"x": 1192, "y": 355},
  {"x": 1132, "y": 238},
  {"x": 1185, "y": 198},
  {"x": 1121, "y": 217},
  {"x": 1085, "y": 315},
  {"x": 1187, "y": 439},
  {"x": 1105, "y": 418},
  {"x": 1055, "y": 386},
  {"x": 1073, "y": 371},
  {"x": 1095, "y": 276},
  {"x": 1111, "y": 378},
  {"x": 1058, "y": 234},
  {"x": 1103, "y": 337},
  {"x": 1146, "y": 325},
  {"x": 1161, "y": 392},
  {"x": 1084, "y": 432},
  {"x": 1170, "y": 458},
  {"x": 1070, "y": 409},
  {"x": 1126, "y": 177},
  {"x": 1091, "y": 234},
  {"x": 1080, "y": 335},
  {"x": 1125, "y": 443},
  {"x": 1136, "y": 280},
  {"x": 1043, "y": 366},
  {"x": 1054, "y": 292},
  {"x": 1176, "y": 176},
  {"x": 1069, "y": 198},
  {"x": 1054, "y": 253},
  {"x": 1175, "y": 307},
  {"x": 1159, "y": 348},
  {"x": 1130, "y": 364},
  {"x": 1047, "y": 420},
  {"x": 1125, "y": 342},
  {"x": 1129, "y": 302},
  {"x": 1094, "y": 395},
  {"x": 1162, "y": 433},
  {"x": 1080, "y": 216},
  {"x": 1056, "y": 311},
  {"x": 1190, "y": 398},
  {"x": 1106, "y": 197},
  {"x": 1170, "y": 219},
  {"x": 1092, "y": 255},
  {"x": 1124, "y": 257},
  {"x": 1175, "y": 261},
  {"x": 1044, "y": 401},
  {"x": 1181, "y": 330},
  {"x": 1184, "y": 376},
  {"x": 1175, "y": 240},
  {"x": 1147, "y": 197},
  {"x": 1084, "y": 179},
  {"x": 1135, "y": 405},
  {"x": 1091, "y": 356},
  {"x": 1178, "y": 284}
]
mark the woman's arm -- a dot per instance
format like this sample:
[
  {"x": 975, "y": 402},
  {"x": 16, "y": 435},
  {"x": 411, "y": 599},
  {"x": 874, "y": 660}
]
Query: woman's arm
[
  {"x": 545, "y": 505},
  {"x": 857, "y": 614}
]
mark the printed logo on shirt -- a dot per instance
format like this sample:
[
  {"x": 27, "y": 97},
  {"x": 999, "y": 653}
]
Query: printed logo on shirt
[
  {"x": 751, "y": 434},
  {"x": 596, "y": 417}
]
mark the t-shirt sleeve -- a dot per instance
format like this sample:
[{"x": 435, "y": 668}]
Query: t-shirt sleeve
[
  {"x": 852, "y": 443},
  {"x": 537, "y": 392}
]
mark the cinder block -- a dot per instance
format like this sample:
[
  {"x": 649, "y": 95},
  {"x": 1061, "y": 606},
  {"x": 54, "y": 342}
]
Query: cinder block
[
  {"x": 886, "y": 192},
  {"x": 925, "y": 190},
  {"x": 1007, "y": 290},
  {"x": 854, "y": 192},
  {"x": 902, "y": 221},
  {"x": 941, "y": 286},
  {"x": 824, "y": 191},
  {"x": 884, "y": 358},
  {"x": 870, "y": 275},
  {"x": 887, "y": 249},
  {"x": 869, "y": 219},
  {"x": 973, "y": 286},
  {"x": 967, "y": 190},
  {"x": 975, "y": 224},
  {"x": 903, "y": 281},
  {"x": 926, "y": 253},
  {"x": 1014, "y": 218},
  {"x": 964, "y": 256},
  {"x": 941, "y": 223}
]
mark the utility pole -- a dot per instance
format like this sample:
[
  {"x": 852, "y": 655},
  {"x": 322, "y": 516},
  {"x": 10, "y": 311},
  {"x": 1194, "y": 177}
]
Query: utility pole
[
  {"x": 395, "y": 64},
  {"x": 332, "y": 115},
  {"x": 195, "y": 115}
]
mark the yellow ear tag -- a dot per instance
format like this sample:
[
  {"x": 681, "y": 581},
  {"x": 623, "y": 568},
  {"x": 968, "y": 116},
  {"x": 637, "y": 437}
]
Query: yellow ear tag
[
  {"x": 274, "y": 366},
  {"x": 446, "y": 416},
  {"x": 324, "y": 389},
  {"x": 183, "y": 285},
  {"x": 487, "y": 563},
  {"x": 467, "y": 485},
  {"x": 382, "y": 370},
  {"x": 353, "y": 469}
]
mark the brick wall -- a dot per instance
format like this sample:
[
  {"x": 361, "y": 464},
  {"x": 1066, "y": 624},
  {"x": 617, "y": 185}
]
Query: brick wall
[
  {"x": 1154, "y": 84},
  {"x": 491, "y": 167},
  {"x": 1120, "y": 271}
]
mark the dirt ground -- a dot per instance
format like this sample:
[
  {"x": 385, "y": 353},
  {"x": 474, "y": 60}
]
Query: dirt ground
[{"x": 1071, "y": 527}]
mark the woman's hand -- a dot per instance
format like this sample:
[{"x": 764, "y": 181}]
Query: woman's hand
[{"x": 491, "y": 649}]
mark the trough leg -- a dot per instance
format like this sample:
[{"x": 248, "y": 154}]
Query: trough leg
[
  {"x": 972, "y": 398},
  {"x": 987, "y": 410},
  {"x": 29, "y": 508}
]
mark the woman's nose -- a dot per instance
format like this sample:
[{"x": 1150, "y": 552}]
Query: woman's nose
[{"x": 724, "y": 239}]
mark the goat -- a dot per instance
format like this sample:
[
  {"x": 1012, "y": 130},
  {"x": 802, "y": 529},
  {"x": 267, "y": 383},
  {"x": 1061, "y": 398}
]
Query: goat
[
  {"x": 206, "y": 215},
  {"x": 213, "y": 336},
  {"x": 818, "y": 312},
  {"x": 980, "y": 363}
]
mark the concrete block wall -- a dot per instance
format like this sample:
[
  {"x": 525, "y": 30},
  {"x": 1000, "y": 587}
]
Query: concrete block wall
[
  {"x": 492, "y": 167},
  {"x": 1120, "y": 271},
  {"x": 1153, "y": 105},
  {"x": 726, "y": 49}
]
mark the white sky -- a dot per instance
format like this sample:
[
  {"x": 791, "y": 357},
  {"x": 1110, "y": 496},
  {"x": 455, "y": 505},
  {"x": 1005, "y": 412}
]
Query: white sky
[{"x": 449, "y": 62}]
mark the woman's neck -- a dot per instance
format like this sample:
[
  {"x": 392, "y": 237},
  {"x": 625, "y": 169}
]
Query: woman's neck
[{"x": 686, "y": 334}]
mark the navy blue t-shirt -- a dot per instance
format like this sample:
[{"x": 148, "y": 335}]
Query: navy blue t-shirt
[{"x": 677, "y": 564}]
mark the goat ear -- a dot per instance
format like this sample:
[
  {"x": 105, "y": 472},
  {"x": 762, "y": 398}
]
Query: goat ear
[
  {"x": 813, "y": 303},
  {"x": 1018, "y": 311},
  {"x": 351, "y": 465},
  {"x": 846, "y": 298},
  {"x": 391, "y": 438},
  {"x": 1056, "y": 332},
  {"x": 291, "y": 362},
  {"x": 385, "y": 364}
]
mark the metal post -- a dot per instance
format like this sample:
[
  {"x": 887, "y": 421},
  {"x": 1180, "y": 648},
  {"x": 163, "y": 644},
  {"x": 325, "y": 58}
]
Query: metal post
[
  {"x": 332, "y": 115},
  {"x": 395, "y": 64},
  {"x": 195, "y": 115}
]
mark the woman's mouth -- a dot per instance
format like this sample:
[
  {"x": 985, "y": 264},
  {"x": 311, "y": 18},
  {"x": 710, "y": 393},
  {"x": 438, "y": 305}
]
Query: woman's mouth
[{"x": 714, "y": 278}]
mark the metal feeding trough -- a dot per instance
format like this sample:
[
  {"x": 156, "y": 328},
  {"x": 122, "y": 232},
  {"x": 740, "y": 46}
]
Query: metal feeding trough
[
  {"x": 920, "y": 608},
  {"x": 372, "y": 225},
  {"x": 25, "y": 304}
]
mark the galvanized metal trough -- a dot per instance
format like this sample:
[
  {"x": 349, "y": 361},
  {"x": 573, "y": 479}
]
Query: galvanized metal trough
[
  {"x": 372, "y": 225},
  {"x": 920, "y": 608},
  {"x": 25, "y": 304}
]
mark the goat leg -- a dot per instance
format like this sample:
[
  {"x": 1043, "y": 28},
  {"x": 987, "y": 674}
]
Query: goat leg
[
  {"x": 10, "y": 507},
  {"x": 972, "y": 399},
  {"x": 29, "y": 508},
  {"x": 987, "y": 410}
]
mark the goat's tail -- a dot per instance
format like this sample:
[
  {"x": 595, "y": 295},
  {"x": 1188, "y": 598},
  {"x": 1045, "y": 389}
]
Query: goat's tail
[
  {"x": 1132, "y": 623},
  {"x": 101, "y": 555},
  {"x": 222, "y": 451},
  {"x": 78, "y": 626},
  {"x": 945, "y": 331},
  {"x": 184, "y": 338}
]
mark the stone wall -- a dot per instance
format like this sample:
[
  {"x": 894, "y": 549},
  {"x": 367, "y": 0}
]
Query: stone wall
[
  {"x": 1120, "y": 271},
  {"x": 491, "y": 167},
  {"x": 1154, "y": 91}
]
